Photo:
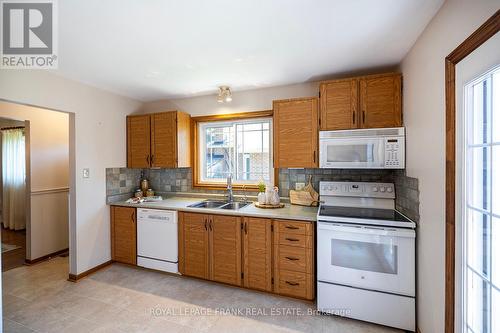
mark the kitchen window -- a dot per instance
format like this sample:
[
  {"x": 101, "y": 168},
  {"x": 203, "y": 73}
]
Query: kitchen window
[
  {"x": 481, "y": 215},
  {"x": 239, "y": 147}
]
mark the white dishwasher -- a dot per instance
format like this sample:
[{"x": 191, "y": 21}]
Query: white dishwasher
[{"x": 157, "y": 239}]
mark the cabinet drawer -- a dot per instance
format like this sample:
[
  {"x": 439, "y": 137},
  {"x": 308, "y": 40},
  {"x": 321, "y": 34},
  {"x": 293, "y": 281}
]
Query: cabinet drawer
[
  {"x": 294, "y": 227},
  {"x": 295, "y": 284},
  {"x": 292, "y": 258},
  {"x": 295, "y": 240}
]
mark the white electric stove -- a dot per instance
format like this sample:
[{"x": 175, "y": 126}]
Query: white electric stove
[{"x": 365, "y": 255}]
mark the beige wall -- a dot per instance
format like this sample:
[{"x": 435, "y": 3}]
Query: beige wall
[
  {"x": 49, "y": 134},
  {"x": 97, "y": 141},
  {"x": 424, "y": 114},
  {"x": 244, "y": 101},
  {"x": 47, "y": 229}
]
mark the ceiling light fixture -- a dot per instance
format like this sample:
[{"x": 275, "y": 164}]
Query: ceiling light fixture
[{"x": 224, "y": 95}]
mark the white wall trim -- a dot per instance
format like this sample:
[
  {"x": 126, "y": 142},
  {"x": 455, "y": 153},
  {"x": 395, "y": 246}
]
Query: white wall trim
[{"x": 50, "y": 190}]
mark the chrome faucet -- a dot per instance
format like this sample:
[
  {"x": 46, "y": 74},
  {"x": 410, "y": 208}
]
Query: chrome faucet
[{"x": 230, "y": 196}]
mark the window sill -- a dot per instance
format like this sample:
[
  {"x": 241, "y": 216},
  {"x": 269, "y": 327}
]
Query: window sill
[{"x": 223, "y": 186}]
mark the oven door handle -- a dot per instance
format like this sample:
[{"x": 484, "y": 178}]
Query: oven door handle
[{"x": 361, "y": 229}]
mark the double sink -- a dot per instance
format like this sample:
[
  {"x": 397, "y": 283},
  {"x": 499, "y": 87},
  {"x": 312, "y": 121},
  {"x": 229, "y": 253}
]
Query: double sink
[{"x": 219, "y": 204}]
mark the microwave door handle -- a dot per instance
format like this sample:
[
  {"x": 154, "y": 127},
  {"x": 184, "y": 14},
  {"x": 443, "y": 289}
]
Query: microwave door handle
[{"x": 381, "y": 153}]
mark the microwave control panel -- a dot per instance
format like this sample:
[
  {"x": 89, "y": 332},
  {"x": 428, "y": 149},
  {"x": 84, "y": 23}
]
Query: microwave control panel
[{"x": 394, "y": 153}]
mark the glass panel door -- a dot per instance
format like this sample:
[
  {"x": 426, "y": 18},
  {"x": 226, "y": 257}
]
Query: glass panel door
[{"x": 481, "y": 225}]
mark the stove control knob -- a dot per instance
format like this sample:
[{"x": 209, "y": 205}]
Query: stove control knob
[
  {"x": 389, "y": 189},
  {"x": 382, "y": 189},
  {"x": 375, "y": 189}
]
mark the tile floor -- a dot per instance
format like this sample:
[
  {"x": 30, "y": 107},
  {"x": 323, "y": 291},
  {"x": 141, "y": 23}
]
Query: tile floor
[{"x": 119, "y": 298}]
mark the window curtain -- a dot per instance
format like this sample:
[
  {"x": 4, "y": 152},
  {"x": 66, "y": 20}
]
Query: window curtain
[{"x": 14, "y": 179}]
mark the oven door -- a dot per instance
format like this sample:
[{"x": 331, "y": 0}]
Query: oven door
[
  {"x": 340, "y": 153},
  {"x": 374, "y": 258}
]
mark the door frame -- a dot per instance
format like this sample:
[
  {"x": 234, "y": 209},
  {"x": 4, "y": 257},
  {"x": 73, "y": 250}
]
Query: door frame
[{"x": 469, "y": 45}]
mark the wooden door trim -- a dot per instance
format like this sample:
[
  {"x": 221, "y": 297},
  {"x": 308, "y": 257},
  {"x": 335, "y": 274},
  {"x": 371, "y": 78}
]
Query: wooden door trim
[{"x": 475, "y": 40}]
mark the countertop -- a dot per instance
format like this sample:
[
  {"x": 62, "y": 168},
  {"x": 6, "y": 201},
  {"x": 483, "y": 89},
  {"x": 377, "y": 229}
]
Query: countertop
[{"x": 289, "y": 212}]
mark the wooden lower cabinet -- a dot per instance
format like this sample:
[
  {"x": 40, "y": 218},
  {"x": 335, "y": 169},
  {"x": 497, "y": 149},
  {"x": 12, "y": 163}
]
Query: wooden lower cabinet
[
  {"x": 257, "y": 253},
  {"x": 225, "y": 249},
  {"x": 210, "y": 247},
  {"x": 124, "y": 235},
  {"x": 194, "y": 260},
  {"x": 293, "y": 249}
]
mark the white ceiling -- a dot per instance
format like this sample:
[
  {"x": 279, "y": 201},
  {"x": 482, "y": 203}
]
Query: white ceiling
[{"x": 158, "y": 49}]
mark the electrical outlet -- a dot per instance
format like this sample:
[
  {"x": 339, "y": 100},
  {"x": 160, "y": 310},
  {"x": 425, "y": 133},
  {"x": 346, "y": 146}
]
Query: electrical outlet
[
  {"x": 299, "y": 186},
  {"x": 86, "y": 173}
]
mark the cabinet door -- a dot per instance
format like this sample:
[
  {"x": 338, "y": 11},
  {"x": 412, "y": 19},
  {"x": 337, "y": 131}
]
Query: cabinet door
[
  {"x": 123, "y": 235},
  {"x": 195, "y": 245},
  {"x": 138, "y": 141},
  {"x": 295, "y": 124},
  {"x": 225, "y": 249},
  {"x": 339, "y": 104},
  {"x": 380, "y": 99},
  {"x": 164, "y": 140},
  {"x": 257, "y": 252}
]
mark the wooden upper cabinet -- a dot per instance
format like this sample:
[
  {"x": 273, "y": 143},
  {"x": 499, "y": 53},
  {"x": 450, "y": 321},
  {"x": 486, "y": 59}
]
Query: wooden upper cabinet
[
  {"x": 159, "y": 140},
  {"x": 138, "y": 141},
  {"x": 380, "y": 101},
  {"x": 123, "y": 235},
  {"x": 195, "y": 250},
  {"x": 225, "y": 249},
  {"x": 257, "y": 253},
  {"x": 164, "y": 140},
  {"x": 339, "y": 104},
  {"x": 295, "y": 123},
  {"x": 372, "y": 101}
]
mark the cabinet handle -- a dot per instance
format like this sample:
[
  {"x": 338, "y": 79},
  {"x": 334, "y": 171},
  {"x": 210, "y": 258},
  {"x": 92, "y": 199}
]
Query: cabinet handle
[
  {"x": 291, "y": 227},
  {"x": 147, "y": 159},
  {"x": 354, "y": 117},
  {"x": 292, "y": 283},
  {"x": 292, "y": 258},
  {"x": 132, "y": 217},
  {"x": 245, "y": 228},
  {"x": 210, "y": 224},
  {"x": 364, "y": 115},
  {"x": 292, "y": 239},
  {"x": 314, "y": 156},
  {"x": 206, "y": 225}
]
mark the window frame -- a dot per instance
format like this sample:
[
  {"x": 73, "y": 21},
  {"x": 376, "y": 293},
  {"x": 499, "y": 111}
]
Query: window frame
[{"x": 195, "y": 141}]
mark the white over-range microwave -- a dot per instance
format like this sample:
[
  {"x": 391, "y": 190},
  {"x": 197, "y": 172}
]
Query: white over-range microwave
[{"x": 376, "y": 148}]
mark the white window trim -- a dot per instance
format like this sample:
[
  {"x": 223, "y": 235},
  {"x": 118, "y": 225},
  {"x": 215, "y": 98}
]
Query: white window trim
[{"x": 222, "y": 123}]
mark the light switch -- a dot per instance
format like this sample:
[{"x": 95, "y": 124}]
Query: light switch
[
  {"x": 86, "y": 173},
  {"x": 299, "y": 186}
]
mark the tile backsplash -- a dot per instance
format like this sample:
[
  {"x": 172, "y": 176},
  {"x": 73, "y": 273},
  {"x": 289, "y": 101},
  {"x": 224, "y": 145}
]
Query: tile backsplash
[
  {"x": 407, "y": 195},
  {"x": 122, "y": 182},
  {"x": 289, "y": 177}
]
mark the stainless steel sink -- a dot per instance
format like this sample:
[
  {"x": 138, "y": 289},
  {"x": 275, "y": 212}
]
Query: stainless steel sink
[
  {"x": 208, "y": 204},
  {"x": 235, "y": 205}
]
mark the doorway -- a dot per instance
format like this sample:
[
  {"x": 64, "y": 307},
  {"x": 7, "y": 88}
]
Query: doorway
[
  {"x": 44, "y": 203},
  {"x": 13, "y": 190}
]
